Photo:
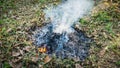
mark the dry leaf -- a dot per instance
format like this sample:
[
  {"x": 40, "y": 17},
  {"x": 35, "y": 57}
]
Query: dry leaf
[
  {"x": 15, "y": 54},
  {"x": 15, "y": 60},
  {"x": 102, "y": 52},
  {"x": 104, "y": 34},
  {"x": 10, "y": 29},
  {"x": 18, "y": 65},
  {"x": 40, "y": 66},
  {"x": 78, "y": 66},
  {"x": 76, "y": 59},
  {"x": 0, "y": 43},
  {"x": 47, "y": 59},
  {"x": 21, "y": 52},
  {"x": 106, "y": 3},
  {"x": 27, "y": 48},
  {"x": 34, "y": 20},
  {"x": 34, "y": 59}
]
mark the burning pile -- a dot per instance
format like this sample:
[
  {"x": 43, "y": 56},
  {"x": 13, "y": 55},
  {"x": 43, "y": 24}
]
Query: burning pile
[
  {"x": 72, "y": 45},
  {"x": 59, "y": 37}
]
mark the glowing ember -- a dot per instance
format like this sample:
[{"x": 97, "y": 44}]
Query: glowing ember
[{"x": 42, "y": 49}]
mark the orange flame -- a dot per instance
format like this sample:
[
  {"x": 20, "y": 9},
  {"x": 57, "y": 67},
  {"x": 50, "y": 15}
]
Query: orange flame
[{"x": 42, "y": 49}]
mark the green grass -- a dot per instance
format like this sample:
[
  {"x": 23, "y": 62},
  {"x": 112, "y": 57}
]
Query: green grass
[
  {"x": 118, "y": 63},
  {"x": 5, "y": 5},
  {"x": 103, "y": 28},
  {"x": 14, "y": 32},
  {"x": 6, "y": 65}
]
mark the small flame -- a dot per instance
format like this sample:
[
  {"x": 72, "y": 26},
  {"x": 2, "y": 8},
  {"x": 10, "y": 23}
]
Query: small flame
[{"x": 42, "y": 49}]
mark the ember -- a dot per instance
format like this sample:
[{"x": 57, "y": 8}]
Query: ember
[{"x": 42, "y": 49}]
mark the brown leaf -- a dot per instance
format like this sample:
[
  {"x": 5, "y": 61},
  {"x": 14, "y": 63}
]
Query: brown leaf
[
  {"x": 14, "y": 65},
  {"x": 0, "y": 43},
  {"x": 9, "y": 30},
  {"x": 15, "y": 60},
  {"x": 21, "y": 52},
  {"x": 27, "y": 48},
  {"x": 34, "y": 20},
  {"x": 47, "y": 59},
  {"x": 102, "y": 52},
  {"x": 34, "y": 59},
  {"x": 40, "y": 66},
  {"x": 78, "y": 66},
  {"x": 104, "y": 34},
  {"x": 76, "y": 59},
  {"x": 15, "y": 54}
]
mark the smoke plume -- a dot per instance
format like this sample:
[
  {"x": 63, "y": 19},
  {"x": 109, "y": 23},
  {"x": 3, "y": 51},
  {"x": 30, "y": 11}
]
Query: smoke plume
[{"x": 67, "y": 14}]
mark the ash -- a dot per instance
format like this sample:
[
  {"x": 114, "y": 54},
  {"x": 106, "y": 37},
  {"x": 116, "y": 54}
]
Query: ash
[{"x": 74, "y": 45}]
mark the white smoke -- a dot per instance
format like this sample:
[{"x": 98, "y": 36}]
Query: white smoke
[{"x": 67, "y": 14}]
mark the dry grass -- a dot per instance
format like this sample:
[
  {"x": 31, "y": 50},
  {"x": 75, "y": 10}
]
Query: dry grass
[{"x": 103, "y": 26}]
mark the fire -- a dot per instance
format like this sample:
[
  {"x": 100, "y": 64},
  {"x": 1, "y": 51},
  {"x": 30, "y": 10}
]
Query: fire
[{"x": 42, "y": 49}]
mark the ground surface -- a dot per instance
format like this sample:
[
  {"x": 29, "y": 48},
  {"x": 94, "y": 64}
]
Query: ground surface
[{"x": 19, "y": 18}]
